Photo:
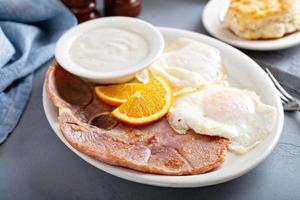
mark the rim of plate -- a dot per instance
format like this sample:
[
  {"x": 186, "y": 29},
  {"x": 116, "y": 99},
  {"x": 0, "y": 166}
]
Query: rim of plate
[
  {"x": 212, "y": 23},
  {"x": 189, "y": 181}
]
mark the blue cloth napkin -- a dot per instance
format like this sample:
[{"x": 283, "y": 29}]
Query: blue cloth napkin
[{"x": 28, "y": 32}]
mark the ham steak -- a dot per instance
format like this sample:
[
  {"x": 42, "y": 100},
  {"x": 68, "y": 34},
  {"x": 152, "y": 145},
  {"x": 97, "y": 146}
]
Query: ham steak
[{"x": 154, "y": 148}]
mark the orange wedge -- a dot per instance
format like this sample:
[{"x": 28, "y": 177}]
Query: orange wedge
[
  {"x": 146, "y": 105},
  {"x": 115, "y": 95}
]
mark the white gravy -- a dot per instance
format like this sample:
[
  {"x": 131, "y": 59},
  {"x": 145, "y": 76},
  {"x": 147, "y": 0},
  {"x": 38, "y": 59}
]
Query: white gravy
[{"x": 108, "y": 49}]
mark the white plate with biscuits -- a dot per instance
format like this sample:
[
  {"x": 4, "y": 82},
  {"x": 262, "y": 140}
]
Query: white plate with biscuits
[{"x": 213, "y": 17}]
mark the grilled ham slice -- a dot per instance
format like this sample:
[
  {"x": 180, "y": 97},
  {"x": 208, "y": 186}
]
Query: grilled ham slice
[{"x": 154, "y": 148}]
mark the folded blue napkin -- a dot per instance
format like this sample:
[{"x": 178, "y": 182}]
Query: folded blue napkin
[{"x": 28, "y": 32}]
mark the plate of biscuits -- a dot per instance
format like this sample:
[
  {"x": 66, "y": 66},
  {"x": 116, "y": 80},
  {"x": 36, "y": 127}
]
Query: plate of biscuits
[{"x": 253, "y": 24}]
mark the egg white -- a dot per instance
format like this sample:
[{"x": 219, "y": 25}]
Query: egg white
[
  {"x": 188, "y": 64},
  {"x": 235, "y": 114}
]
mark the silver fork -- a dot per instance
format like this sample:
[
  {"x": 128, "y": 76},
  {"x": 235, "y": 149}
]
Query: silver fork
[{"x": 289, "y": 102}]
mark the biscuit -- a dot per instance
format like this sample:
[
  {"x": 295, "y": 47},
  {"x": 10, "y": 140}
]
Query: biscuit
[{"x": 263, "y": 19}]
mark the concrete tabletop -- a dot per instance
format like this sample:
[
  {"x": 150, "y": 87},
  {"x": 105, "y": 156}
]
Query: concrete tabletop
[{"x": 35, "y": 164}]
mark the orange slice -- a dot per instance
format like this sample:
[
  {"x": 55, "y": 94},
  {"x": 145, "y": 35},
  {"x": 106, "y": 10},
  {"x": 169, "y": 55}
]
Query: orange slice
[
  {"x": 146, "y": 105},
  {"x": 115, "y": 95}
]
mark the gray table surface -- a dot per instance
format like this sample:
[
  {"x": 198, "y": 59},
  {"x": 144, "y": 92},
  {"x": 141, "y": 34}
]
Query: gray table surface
[{"x": 35, "y": 164}]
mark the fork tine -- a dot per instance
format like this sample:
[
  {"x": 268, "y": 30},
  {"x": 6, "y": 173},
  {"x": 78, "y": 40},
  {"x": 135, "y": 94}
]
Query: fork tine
[
  {"x": 279, "y": 87},
  {"x": 283, "y": 99}
]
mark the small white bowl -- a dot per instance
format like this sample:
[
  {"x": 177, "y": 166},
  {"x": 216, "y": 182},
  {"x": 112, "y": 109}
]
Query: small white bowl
[{"x": 146, "y": 30}]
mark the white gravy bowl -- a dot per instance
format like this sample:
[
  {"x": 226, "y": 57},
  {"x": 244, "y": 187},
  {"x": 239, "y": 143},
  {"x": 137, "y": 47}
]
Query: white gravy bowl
[{"x": 135, "y": 29}]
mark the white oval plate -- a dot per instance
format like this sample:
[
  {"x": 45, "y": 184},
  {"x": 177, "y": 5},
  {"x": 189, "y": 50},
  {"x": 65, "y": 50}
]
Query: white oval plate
[
  {"x": 248, "y": 75},
  {"x": 212, "y": 23}
]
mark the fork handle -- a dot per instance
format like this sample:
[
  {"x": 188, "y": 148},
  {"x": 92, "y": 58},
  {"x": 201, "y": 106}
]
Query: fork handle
[{"x": 289, "y": 109}]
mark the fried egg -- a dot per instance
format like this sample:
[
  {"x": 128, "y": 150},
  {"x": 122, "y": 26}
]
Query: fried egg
[
  {"x": 188, "y": 64},
  {"x": 235, "y": 114}
]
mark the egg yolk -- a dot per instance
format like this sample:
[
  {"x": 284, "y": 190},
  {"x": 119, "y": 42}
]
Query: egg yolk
[{"x": 228, "y": 106}]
